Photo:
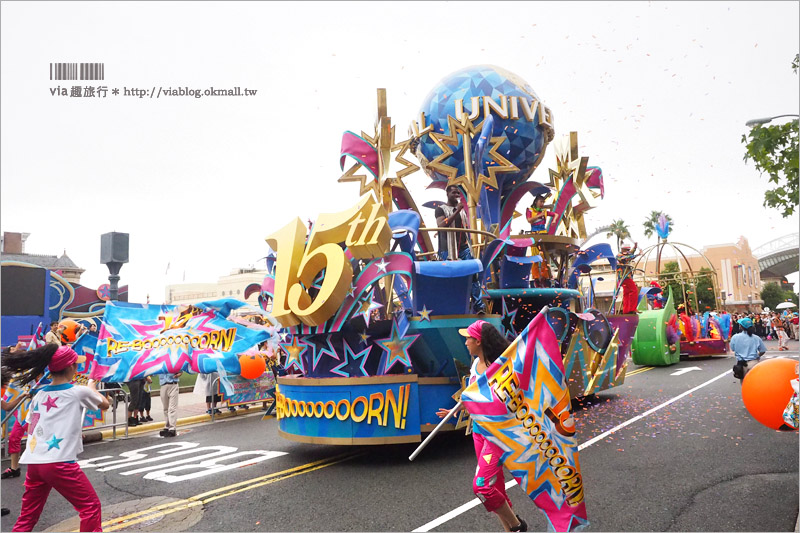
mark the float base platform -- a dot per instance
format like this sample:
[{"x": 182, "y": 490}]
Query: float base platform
[{"x": 391, "y": 409}]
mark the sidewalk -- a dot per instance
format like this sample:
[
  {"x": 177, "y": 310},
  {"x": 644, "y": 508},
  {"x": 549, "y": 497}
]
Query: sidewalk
[{"x": 191, "y": 410}]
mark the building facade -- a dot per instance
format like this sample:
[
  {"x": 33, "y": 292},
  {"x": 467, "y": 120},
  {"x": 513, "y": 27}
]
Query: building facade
[
  {"x": 234, "y": 285},
  {"x": 738, "y": 278},
  {"x": 13, "y": 249}
]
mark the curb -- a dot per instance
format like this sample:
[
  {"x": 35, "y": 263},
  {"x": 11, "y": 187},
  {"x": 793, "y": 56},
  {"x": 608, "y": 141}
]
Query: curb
[
  {"x": 157, "y": 426},
  {"x": 181, "y": 390}
]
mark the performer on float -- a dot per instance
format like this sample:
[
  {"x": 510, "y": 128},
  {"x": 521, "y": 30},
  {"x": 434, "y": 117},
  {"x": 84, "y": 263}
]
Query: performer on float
[
  {"x": 724, "y": 320},
  {"x": 536, "y": 215},
  {"x": 630, "y": 291},
  {"x": 456, "y": 245},
  {"x": 686, "y": 328},
  {"x": 657, "y": 300}
]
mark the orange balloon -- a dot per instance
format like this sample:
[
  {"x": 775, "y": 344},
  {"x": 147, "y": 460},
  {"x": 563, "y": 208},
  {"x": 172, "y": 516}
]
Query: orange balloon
[
  {"x": 69, "y": 335},
  {"x": 252, "y": 366},
  {"x": 766, "y": 390}
]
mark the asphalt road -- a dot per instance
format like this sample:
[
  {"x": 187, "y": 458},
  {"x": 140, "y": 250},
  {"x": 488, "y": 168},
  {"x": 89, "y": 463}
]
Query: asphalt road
[{"x": 687, "y": 457}]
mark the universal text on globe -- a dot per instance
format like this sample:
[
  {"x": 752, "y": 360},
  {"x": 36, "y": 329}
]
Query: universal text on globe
[{"x": 506, "y": 107}]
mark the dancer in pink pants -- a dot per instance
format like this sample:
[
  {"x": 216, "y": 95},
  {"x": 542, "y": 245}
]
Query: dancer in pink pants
[
  {"x": 485, "y": 343},
  {"x": 54, "y": 436}
]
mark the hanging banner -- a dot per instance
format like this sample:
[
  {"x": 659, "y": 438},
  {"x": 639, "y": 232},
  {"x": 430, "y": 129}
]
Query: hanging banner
[
  {"x": 244, "y": 391},
  {"x": 521, "y": 403},
  {"x": 141, "y": 340}
]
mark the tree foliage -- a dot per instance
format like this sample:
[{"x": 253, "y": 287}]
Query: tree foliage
[
  {"x": 774, "y": 151},
  {"x": 698, "y": 287},
  {"x": 704, "y": 289},
  {"x": 652, "y": 220},
  {"x": 670, "y": 276},
  {"x": 772, "y": 294},
  {"x": 618, "y": 229}
]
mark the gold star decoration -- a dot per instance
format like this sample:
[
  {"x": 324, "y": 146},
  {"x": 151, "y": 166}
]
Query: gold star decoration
[
  {"x": 294, "y": 352},
  {"x": 570, "y": 165},
  {"x": 465, "y": 130},
  {"x": 383, "y": 141},
  {"x": 396, "y": 348},
  {"x": 425, "y": 314}
]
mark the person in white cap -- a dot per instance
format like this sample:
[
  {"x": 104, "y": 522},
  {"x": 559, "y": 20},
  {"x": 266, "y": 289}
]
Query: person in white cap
[{"x": 485, "y": 343}]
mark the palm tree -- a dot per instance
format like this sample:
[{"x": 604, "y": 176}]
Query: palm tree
[
  {"x": 652, "y": 220},
  {"x": 619, "y": 229}
]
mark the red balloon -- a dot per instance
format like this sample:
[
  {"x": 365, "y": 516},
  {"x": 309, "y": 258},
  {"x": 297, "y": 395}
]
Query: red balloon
[
  {"x": 252, "y": 366},
  {"x": 70, "y": 332},
  {"x": 766, "y": 390}
]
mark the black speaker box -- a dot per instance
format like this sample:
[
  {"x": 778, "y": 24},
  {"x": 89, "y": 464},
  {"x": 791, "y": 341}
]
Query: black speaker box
[{"x": 114, "y": 248}]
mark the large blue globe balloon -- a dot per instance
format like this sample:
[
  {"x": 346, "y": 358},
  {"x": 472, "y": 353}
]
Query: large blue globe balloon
[{"x": 524, "y": 140}]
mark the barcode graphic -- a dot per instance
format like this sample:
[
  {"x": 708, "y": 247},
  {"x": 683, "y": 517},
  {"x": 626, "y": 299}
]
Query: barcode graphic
[{"x": 77, "y": 71}]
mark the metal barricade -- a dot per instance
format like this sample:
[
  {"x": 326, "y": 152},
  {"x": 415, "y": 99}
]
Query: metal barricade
[
  {"x": 214, "y": 387},
  {"x": 114, "y": 402},
  {"x": 8, "y": 430}
]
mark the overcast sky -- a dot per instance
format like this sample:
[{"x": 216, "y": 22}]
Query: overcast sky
[{"x": 659, "y": 93}]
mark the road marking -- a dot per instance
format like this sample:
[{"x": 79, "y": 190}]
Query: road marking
[
  {"x": 682, "y": 371},
  {"x": 122, "y": 522},
  {"x": 475, "y": 502},
  {"x": 639, "y": 371}
]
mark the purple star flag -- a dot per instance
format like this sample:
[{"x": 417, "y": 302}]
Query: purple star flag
[{"x": 521, "y": 403}]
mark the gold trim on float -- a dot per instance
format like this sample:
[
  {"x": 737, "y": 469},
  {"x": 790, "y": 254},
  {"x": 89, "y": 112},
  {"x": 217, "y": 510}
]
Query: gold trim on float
[
  {"x": 349, "y": 440},
  {"x": 435, "y": 381},
  {"x": 325, "y": 382},
  {"x": 448, "y": 317},
  {"x": 431, "y": 427}
]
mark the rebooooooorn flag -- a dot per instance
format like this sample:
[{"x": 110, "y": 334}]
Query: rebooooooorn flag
[
  {"x": 140, "y": 340},
  {"x": 521, "y": 403}
]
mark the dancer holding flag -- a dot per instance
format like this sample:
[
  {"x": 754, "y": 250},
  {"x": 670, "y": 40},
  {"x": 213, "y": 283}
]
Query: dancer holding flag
[
  {"x": 520, "y": 405},
  {"x": 485, "y": 344}
]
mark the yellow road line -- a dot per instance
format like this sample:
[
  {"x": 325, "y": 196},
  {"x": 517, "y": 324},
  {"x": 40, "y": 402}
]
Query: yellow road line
[
  {"x": 639, "y": 370},
  {"x": 169, "y": 508}
]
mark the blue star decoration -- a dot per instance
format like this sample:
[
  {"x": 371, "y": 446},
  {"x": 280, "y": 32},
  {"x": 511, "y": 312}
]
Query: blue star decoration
[
  {"x": 320, "y": 345},
  {"x": 53, "y": 443},
  {"x": 508, "y": 320},
  {"x": 351, "y": 367},
  {"x": 396, "y": 347},
  {"x": 294, "y": 352}
]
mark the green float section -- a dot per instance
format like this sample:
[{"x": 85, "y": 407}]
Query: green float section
[{"x": 649, "y": 346}]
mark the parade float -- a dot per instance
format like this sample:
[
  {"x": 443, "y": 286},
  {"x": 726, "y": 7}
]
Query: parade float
[
  {"x": 669, "y": 331},
  {"x": 34, "y": 295},
  {"x": 370, "y": 315}
]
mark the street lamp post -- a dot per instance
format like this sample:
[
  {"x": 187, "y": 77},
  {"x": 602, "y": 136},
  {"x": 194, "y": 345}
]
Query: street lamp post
[
  {"x": 113, "y": 254},
  {"x": 759, "y": 121}
]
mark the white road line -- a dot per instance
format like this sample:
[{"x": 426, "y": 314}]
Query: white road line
[{"x": 472, "y": 503}]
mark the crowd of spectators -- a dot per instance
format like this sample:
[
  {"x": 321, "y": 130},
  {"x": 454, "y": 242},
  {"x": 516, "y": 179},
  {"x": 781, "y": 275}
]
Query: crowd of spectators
[{"x": 768, "y": 324}]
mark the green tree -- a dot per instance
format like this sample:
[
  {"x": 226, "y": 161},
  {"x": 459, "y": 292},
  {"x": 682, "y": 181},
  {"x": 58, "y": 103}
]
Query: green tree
[
  {"x": 704, "y": 287},
  {"x": 618, "y": 229},
  {"x": 652, "y": 220},
  {"x": 671, "y": 276},
  {"x": 772, "y": 294},
  {"x": 774, "y": 150}
]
